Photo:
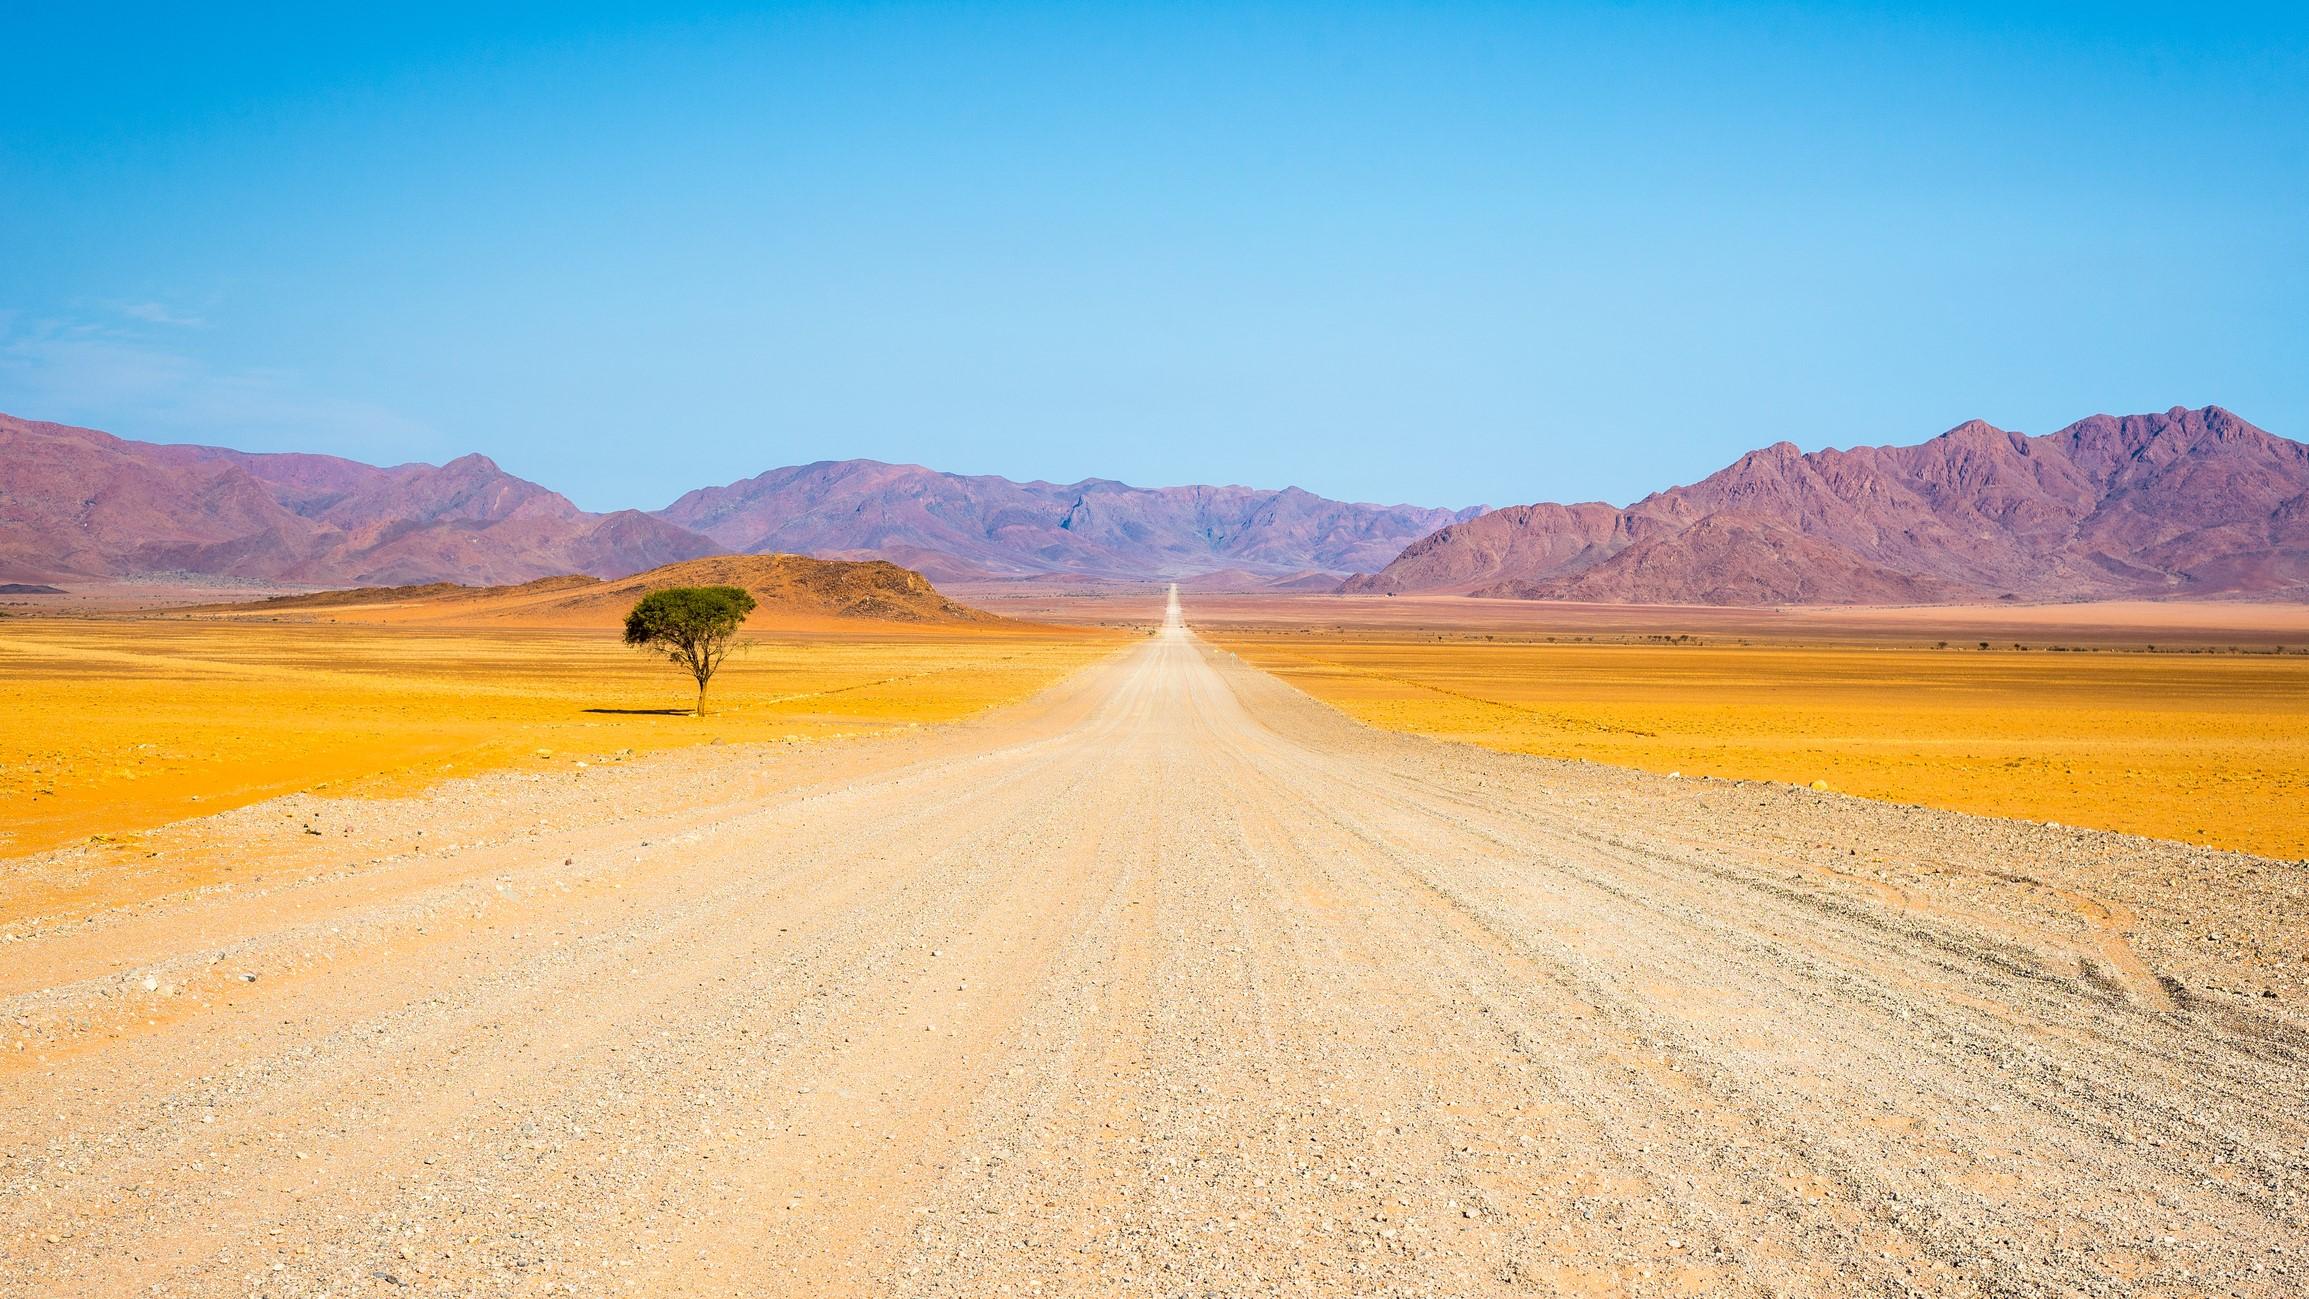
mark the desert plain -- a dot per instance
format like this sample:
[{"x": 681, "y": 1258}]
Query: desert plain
[
  {"x": 116, "y": 724},
  {"x": 2201, "y": 743},
  {"x": 2177, "y": 721},
  {"x": 1125, "y": 948}
]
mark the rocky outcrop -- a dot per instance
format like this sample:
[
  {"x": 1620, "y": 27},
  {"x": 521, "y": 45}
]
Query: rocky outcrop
[{"x": 786, "y": 589}]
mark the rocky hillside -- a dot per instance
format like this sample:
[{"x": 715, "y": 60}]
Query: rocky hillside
[
  {"x": 787, "y": 588},
  {"x": 876, "y": 590},
  {"x": 76, "y": 503},
  {"x": 2184, "y": 503},
  {"x": 956, "y": 526}
]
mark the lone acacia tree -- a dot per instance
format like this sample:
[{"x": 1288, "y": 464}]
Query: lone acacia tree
[{"x": 695, "y": 626}]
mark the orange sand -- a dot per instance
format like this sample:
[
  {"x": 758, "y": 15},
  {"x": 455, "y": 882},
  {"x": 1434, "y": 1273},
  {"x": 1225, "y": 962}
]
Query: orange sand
[
  {"x": 2131, "y": 624},
  {"x": 113, "y": 725},
  {"x": 2210, "y": 748}
]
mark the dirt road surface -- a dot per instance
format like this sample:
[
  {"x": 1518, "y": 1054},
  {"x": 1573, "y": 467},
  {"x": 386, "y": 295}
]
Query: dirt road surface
[{"x": 1171, "y": 982}]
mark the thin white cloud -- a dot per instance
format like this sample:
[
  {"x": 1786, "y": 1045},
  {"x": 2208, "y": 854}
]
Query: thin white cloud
[
  {"x": 71, "y": 372},
  {"x": 160, "y": 313}
]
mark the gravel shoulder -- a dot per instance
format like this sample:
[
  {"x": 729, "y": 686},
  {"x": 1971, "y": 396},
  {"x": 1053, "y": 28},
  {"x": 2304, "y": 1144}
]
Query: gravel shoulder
[{"x": 1169, "y": 981}]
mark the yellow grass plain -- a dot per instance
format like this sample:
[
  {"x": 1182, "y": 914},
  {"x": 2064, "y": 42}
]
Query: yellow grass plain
[
  {"x": 113, "y": 725},
  {"x": 2210, "y": 748}
]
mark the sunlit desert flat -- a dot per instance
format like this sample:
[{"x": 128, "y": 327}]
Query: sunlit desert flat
[
  {"x": 114, "y": 725},
  {"x": 2178, "y": 721},
  {"x": 2206, "y": 747},
  {"x": 1130, "y": 969}
]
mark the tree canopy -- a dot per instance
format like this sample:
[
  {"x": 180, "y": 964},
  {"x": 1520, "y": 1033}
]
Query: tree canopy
[{"x": 695, "y": 626}]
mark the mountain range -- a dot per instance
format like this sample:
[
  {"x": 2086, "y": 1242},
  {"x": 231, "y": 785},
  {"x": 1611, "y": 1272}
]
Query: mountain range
[
  {"x": 2183, "y": 503},
  {"x": 950, "y": 526},
  {"x": 77, "y": 504}
]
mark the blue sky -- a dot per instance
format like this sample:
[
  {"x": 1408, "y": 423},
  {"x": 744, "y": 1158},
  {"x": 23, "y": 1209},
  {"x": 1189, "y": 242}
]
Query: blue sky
[{"x": 1439, "y": 253}]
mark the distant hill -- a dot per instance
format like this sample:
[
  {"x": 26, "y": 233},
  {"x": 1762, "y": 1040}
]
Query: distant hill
[
  {"x": 954, "y": 526},
  {"x": 790, "y": 589},
  {"x": 2184, "y": 503},
  {"x": 76, "y": 503}
]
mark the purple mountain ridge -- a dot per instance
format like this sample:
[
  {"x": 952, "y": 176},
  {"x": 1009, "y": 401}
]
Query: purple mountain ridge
[
  {"x": 2188, "y": 503},
  {"x": 953, "y": 526}
]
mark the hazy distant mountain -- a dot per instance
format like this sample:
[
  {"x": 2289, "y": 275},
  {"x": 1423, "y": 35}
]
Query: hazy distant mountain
[
  {"x": 78, "y": 503},
  {"x": 955, "y": 526},
  {"x": 2196, "y": 503},
  {"x": 2186, "y": 503}
]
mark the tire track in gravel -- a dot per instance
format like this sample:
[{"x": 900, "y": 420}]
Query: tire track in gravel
[
  {"x": 1170, "y": 982},
  {"x": 364, "y": 1009},
  {"x": 2105, "y": 1112}
]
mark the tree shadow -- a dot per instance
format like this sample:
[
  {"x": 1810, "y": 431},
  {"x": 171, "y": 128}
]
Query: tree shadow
[{"x": 644, "y": 712}]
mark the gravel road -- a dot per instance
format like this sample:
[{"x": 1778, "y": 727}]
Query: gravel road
[{"x": 1171, "y": 982}]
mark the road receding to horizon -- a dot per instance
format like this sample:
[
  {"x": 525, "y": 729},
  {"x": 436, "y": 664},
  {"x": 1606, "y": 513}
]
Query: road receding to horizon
[{"x": 1170, "y": 981}]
